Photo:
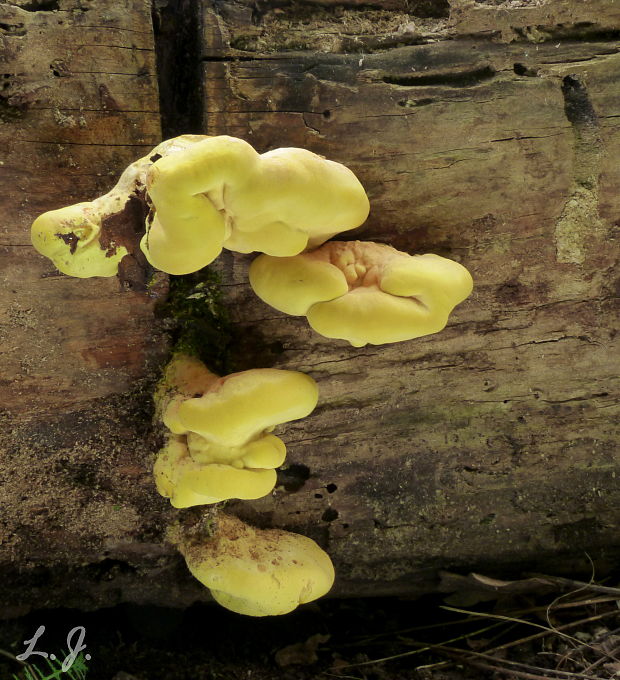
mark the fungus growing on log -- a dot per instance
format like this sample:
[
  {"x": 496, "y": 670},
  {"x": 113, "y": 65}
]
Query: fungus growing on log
[
  {"x": 70, "y": 238},
  {"x": 221, "y": 446},
  {"x": 187, "y": 479},
  {"x": 258, "y": 572},
  {"x": 74, "y": 238},
  {"x": 207, "y": 193},
  {"x": 222, "y": 193},
  {"x": 362, "y": 292}
]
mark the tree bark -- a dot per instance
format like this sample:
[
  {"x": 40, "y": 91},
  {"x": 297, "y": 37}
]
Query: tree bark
[{"x": 79, "y": 102}]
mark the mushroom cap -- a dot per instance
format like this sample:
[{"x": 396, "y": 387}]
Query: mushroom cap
[
  {"x": 363, "y": 292},
  {"x": 184, "y": 377},
  {"x": 371, "y": 316},
  {"x": 184, "y": 247},
  {"x": 259, "y": 572},
  {"x": 239, "y": 406},
  {"x": 187, "y": 482},
  {"x": 220, "y": 446},
  {"x": 220, "y": 192},
  {"x": 266, "y": 452},
  {"x": 294, "y": 284},
  {"x": 69, "y": 237}
]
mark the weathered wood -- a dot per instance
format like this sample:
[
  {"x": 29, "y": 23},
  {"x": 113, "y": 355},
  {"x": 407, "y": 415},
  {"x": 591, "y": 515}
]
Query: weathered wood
[
  {"x": 78, "y": 102},
  {"x": 487, "y": 135}
]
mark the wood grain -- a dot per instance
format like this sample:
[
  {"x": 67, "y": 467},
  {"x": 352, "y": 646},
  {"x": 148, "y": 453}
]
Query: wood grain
[{"x": 78, "y": 102}]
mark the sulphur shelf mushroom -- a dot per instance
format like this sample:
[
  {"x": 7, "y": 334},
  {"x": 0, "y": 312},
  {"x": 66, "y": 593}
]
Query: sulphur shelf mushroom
[
  {"x": 74, "y": 238},
  {"x": 207, "y": 193},
  {"x": 188, "y": 479},
  {"x": 258, "y": 572},
  {"x": 363, "y": 292},
  {"x": 220, "y": 444}
]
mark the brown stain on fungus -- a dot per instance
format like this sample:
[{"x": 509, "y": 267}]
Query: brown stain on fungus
[
  {"x": 125, "y": 229},
  {"x": 71, "y": 240}
]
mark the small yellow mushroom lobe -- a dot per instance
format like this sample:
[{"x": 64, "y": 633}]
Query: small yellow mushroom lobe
[
  {"x": 259, "y": 572},
  {"x": 249, "y": 402},
  {"x": 69, "y": 237},
  {"x": 188, "y": 482}
]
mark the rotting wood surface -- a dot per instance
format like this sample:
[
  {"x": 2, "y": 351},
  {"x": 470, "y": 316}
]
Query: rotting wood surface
[
  {"x": 79, "y": 102},
  {"x": 486, "y": 133}
]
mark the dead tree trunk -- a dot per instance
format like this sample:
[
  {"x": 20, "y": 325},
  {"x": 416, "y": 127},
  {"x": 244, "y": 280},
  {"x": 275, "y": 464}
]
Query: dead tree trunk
[{"x": 483, "y": 132}]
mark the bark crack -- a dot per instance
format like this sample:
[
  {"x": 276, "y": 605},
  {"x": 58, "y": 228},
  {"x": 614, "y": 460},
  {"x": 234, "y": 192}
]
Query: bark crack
[{"x": 177, "y": 28}]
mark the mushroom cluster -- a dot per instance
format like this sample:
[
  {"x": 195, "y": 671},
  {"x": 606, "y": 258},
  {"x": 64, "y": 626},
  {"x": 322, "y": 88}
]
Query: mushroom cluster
[
  {"x": 258, "y": 572},
  {"x": 200, "y": 194},
  {"x": 220, "y": 193},
  {"x": 220, "y": 444},
  {"x": 74, "y": 238},
  {"x": 208, "y": 193}
]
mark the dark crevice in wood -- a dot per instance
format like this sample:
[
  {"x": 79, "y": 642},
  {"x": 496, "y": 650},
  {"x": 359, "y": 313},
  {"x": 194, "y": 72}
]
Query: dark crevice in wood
[
  {"x": 176, "y": 27},
  {"x": 17, "y": 30},
  {"x": 293, "y": 477},
  {"x": 581, "y": 115},
  {"x": 523, "y": 70},
  {"x": 38, "y": 5},
  {"x": 330, "y": 515},
  {"x": 577, "y": 105},
  {"x": 454, "y": 79}
]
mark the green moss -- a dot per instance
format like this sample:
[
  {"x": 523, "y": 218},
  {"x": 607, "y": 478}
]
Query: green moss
[{"x": 200, "y": 322}]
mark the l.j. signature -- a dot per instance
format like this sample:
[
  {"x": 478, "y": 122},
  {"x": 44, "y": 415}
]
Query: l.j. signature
[{"x": 75, "y": 647}]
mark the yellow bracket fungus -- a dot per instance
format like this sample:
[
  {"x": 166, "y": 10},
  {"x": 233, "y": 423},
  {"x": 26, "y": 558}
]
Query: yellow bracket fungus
[
  {"x": 70, "y": 238},
  {"x": 207, "y": 193},
  {"x": 74, "y": 238},
  {"x": 221, "y": 446},
  {"x": 222, "y": 193},
  {"x": 188, "y": 480},
  {"x": 259, "y": 572},
  {"x": 363, "y": 292}
]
